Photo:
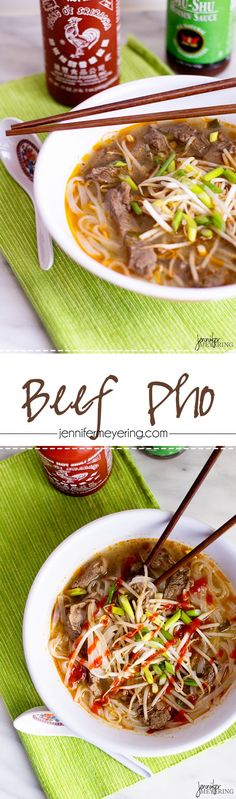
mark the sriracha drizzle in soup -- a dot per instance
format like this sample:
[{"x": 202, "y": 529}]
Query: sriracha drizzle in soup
[
  {"x": 143, "y": 657},
  {"x": 158, "y": 202}
]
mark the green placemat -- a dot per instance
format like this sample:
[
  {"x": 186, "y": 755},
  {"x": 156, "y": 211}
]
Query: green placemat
[
  {"x": 79, "y": 311},
  {"x": 34, "y": 518}
]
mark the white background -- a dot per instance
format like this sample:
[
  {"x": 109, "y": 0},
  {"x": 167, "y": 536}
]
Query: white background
[{"x": 21, "y": 53}]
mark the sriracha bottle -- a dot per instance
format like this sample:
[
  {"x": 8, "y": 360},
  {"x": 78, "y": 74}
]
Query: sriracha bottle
[
  {"x": 81, "y": 47},
  {"x": 77, "y": 470}
]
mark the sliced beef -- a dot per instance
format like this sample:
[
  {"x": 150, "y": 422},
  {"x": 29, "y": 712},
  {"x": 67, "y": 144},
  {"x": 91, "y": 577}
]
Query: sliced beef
[
  {"x": 103, "y": 174},
  {"x": 145, "y": 158},
  {"x": 142, "y": 259},
  {"x": 205, "y": 671},
  {"x": 159, "y": 716},
  {"x": 176, "y": 584},
  {"x": 161, "y": 562},
  {"x": 117, "y": 204},
  {"x": 75, "y": 620},
  {"x": 91, "y": 573},
  {"x": 181, "y": 131},
  {"x": 155, "y": 139}
]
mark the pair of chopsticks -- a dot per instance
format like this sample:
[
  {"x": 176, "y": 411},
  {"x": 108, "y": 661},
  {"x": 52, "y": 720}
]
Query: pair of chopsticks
[
  {"x": 63, "y": 121},
  {"x": 177, "y": 515}
]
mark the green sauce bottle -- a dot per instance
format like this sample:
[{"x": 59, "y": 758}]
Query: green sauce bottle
[{"x": 199, "y": 35}]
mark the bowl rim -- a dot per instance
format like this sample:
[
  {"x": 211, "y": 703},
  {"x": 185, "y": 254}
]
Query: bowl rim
[
  {"x": 69, "y": 245},
  {"x": 170, "y": 747}
]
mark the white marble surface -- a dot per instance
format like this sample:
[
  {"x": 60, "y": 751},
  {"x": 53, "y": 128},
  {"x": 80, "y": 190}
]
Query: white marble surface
[
  {"x": 21, "y": 54},
  {"x": 169, "y": 481}
]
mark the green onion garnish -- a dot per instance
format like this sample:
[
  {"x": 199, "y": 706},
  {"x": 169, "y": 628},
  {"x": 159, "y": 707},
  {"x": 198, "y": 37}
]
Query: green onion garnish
[
  {"x": 111, "y": 593},
  {"x": 172, "y": 620},
  {"x": 76, "y": 591},
  {"x": 185, "y": 617},
  {"x": 148, "y": 675},
  {"x": 189, "y": 681},
  {"x": 206, "y": 233},
  {"x": 214, "y": 173},
  {"x": 117, "y": 611},
  {"x": 167, "y": 635},
  {"x": 119, "y": 163},
  {"x": 216, "y": 189},
  {"x": 229, "y": 175},
  {"x": 194, "y": 612},
  {"x": 217, "y": 220},
  {"x": 130, "y": 181},
  {"x": 203, "y": 220},
  {"x": 157, "y": 669},
  {"x": 136, "y": 208},
  {"x": 177, "y": 219},
  {"x": 169, "y": 667},
  {"x": 191, "y": 228},
  {"x": 214, "y": 136},
  {"x": 179, "y": 173},
  {"x": 125, "y": 604},
  {"x": 164, "y": 167}
]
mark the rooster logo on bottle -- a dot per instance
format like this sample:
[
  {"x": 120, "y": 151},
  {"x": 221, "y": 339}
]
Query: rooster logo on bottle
[{"x": 81, "y": 41}]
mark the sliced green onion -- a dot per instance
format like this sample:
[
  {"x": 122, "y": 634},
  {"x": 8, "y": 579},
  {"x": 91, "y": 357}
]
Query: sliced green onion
[
  {"x": 145, "y": 630},
  {"x": 189, "y": 681},
  {"x": 164, "y": 167},
  {"x": 185, "y": 617},
  {"x": 77, "y": 591},
  {"x": 169, "y": 667},
  {"x": 214, "y": 188},
  {"x": 229, "y": 175},
  {"x": 203, "y": 220},
  {"x": 137, "y": 637},
  {"x": 217, "y": 220},
  {"x": 191, "y": 228},
  {"x": 148, "y": 675},
  {"x": 125, "y": 604},
  {"x": 117, "y": 611},
  {"x": 162, "y": 679},
  {"x": 130, "y": 181},
  {"x": 111, "y": 593},
  {"x": 179, "y": 173},
  {"x": 119, "y": 163},
  {"x": 194, "y": 612},
  {"x": 177, "y": 219},
  {"x": 136, "y": 208},
  {"x": 172, "y": 620},
  {"x": 198, "y": 189},
  {"x": 167, "y": 635},
  {"x": 206, "y": 233},
  {"x": 171, "y": 167},
  {"x": 157, "y": 669},
  {"x": 214, "y": 136},
  {"x": 214, "y": 173}
]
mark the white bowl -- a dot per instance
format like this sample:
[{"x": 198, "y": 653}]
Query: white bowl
[
  {"x": 60, "y": 154},
  {"x": 51, "y": 579}
]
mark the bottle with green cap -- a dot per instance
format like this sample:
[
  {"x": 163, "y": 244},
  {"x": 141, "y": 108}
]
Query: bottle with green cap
[
  {"x": 162, "y": 452},
  {"x": 199, "y": 35}
]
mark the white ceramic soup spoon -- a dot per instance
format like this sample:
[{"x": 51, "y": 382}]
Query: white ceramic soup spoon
[
  {"x": 40, "y": 721},
  {"x": 19, "y": 155}
]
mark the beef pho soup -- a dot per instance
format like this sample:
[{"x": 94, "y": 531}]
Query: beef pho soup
[
  {"x": 142, "y": 657},
  {"x": 158, "y": 202}
]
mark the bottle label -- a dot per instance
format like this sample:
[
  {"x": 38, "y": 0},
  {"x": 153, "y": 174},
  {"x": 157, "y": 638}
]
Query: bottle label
[
  {"x": 199, "y": 31},
  {"x": 81, "y": 44}
]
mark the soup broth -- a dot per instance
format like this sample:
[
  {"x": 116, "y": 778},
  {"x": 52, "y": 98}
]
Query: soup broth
[
  {"x": 157, "y": 202},
  {"x": 142, "y": 657}
]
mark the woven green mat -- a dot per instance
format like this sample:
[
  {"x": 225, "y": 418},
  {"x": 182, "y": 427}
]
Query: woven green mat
[
  {"x": 79, "y": 311},
  {"x": 34, "y": 518}
]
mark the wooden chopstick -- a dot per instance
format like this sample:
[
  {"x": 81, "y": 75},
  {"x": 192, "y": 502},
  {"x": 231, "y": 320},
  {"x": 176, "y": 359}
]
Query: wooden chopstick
[
  {"x": 128, "y": 119},
  {"x": 196, "y": 550},
  {"x": 185, "y": 502},
  {"x": 184, "y": 91}
]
